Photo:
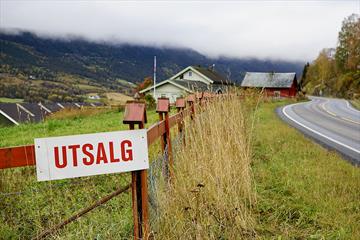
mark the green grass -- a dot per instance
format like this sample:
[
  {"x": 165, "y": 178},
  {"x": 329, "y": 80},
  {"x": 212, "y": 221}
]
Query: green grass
[
  {"x": 34, "y": 206},
  {"x": 10, "y": 100},
  {"x": 25, "y": 133},
  {"x": 355, "y": 103},
  {"x": 303, "y": 190}
]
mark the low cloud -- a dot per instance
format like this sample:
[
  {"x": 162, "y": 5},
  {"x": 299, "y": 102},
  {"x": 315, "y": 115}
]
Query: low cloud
[{"x": 292, "y": 30}]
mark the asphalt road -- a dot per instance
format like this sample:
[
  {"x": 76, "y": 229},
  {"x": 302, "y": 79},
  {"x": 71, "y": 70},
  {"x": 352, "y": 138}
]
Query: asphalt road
[{"x": 333, "y": 123}]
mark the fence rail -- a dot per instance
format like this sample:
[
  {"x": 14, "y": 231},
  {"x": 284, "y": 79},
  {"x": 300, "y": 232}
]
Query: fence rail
[{"x": 21, "y": 156}]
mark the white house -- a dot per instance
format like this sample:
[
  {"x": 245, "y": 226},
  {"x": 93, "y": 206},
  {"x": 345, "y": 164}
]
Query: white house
[{"x": 189, "y": 80}]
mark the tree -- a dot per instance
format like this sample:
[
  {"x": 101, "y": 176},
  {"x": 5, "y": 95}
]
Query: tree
[
  {"x": 150, "y": 101},
  {"x": 348, "y": 49},
  {"x": 303, "y": 76},
  {"x": 146, "y": 83}
]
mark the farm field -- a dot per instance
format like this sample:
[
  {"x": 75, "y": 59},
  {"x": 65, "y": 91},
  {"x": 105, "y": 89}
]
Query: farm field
[
  {"x": 117, "y": 98},
  {"x": 11, "y": 100}
]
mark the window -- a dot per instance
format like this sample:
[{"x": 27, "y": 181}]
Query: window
[
  {"x": 277, "y": 94},
  {"x": 190, "y": 73}
]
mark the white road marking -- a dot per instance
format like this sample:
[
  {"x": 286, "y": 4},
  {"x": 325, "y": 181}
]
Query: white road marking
[
  {"x": 333, "y": 114},
  {"x": 323, "y": 107},
  {"x": 350, "y": 120},
  {"x": 314, "y": 131},
  {"x": 350, "y": 107}
]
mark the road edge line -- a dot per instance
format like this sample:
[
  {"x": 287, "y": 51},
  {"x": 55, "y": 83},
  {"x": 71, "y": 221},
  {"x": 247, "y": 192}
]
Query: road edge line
[{"x": 314, "y": 131}]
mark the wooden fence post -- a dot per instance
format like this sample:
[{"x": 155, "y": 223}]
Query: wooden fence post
[
  {"x": 180, "y": 106},
  {"x": 191, "y": 102},
  {"x": 199, "y": 96},
  {"x": 163, "y": 108},
  {"x": 135, "y": 113}
]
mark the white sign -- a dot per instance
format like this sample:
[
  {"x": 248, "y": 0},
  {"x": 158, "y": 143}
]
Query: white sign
[{"x": 91, "y": 154}]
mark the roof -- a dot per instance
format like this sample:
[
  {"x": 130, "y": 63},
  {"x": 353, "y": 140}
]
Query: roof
[
  {"x": 211, "y": 74},
  {"x": 194, "y": 86},
  {"x": 14, "y": 113},
  {"x": 268, "y": 80},
  {"x": 38, "y": 112},
  {"x": 164, "y": 82},
  {"x": 34, "y": 112}
]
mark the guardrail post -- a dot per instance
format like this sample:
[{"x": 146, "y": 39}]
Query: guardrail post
[
  {"x": 163, "y": 108},
  {"x": 135, "y": 113}
]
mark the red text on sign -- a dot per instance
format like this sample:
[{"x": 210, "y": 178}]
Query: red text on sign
[{"x": 93, "y": 154}]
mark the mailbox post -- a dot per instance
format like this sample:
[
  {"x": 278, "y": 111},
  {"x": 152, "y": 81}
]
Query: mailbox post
[
  {"x": 191, "y": 102},
  {"x": 163, "y": 108},
  {"x": 180, "y": 106},
  {"x": 135, "y": 114}
]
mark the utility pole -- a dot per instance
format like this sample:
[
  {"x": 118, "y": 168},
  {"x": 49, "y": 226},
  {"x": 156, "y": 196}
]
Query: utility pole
[{"x": 154, "y": 77}]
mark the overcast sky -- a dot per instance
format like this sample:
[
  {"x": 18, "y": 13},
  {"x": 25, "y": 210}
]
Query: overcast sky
[{"x": 291, "y": 30}]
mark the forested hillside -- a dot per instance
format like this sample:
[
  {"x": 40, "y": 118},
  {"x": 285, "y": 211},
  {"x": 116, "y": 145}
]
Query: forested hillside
[
  {"x": 69, "y": 62},
  {"x": 336, "y": 71}
]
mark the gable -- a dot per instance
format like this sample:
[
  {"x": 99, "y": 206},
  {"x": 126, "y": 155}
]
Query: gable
[
  {"x": 166, "y": 85},
  {"x": 195, "y": 75},
  {"x": 191, "y": 74},
  {"x": 169, "y": 88}
]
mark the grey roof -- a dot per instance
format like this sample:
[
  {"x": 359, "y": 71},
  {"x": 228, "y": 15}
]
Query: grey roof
[
  {"x": 36, "y": 110},
  {"x": 212, "y": 74},
  {"x": 53, "y": 107},
  {"x": 15, "y": 112},
  {"x": 33, "y": 112},
  {"x": 195, "y": 86},
  {"x": 268, "y": 80}
]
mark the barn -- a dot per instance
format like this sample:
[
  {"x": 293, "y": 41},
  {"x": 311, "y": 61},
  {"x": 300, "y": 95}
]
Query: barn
[{"x": 274, "y": 84}]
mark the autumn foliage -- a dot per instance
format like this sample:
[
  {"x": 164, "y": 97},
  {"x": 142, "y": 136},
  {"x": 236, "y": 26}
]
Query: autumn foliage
[{"x": 144, "y": 84}]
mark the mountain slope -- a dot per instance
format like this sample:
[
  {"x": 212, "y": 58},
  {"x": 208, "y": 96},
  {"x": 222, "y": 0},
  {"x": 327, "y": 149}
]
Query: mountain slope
[{"x": 104, "y": 63}]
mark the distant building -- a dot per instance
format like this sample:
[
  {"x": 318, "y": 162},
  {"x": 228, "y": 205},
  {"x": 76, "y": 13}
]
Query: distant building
[
  {"x": 330, "y": 52},
  {"x": 17, "y": 113},
  {"x": 94, "y": 97},
  {"x": 189, "y": 80},
  {"x": 274, "y": 84}
]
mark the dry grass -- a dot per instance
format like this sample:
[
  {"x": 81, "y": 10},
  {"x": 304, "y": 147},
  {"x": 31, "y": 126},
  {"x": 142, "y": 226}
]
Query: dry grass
[
  {"x": 114, "y": 98},
  {"x": 212, "y": 195}
]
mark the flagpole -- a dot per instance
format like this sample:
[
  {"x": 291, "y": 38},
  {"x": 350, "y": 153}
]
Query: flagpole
[{"x": 154, "y": 76}]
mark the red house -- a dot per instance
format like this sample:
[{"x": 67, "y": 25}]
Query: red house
[{"x": 274, "y": 84}]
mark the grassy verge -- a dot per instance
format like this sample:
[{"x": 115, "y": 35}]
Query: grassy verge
[
  {"x": 356, "y": 103},
  {"x": 211, "y": 195},
  {"x": 303, "y": 190}
]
